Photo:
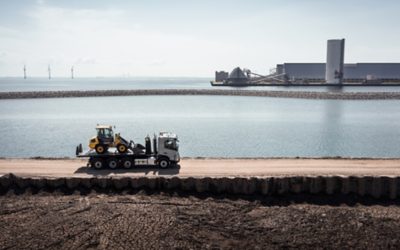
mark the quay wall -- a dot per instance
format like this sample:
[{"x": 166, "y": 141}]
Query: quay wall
[
  {"x": 369, "y": 186},
  {"x": 217, "y": 92}
]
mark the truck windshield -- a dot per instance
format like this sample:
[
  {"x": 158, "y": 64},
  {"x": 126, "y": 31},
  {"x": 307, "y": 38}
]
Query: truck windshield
[{"x": 172, "y": 144}]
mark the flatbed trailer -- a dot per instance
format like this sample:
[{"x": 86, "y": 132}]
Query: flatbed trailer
[{"x": 164, "y": 153}]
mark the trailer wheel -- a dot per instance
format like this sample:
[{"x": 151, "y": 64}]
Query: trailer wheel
[
  {"x": 112, "y": 163},
  {"x": 97, "y": 163},
  {"x": 127, "y": 163},
  {"x": 122, "y": 148},
  {"x": 100, "y": 149},
  {"x": 163, "y": 163}
]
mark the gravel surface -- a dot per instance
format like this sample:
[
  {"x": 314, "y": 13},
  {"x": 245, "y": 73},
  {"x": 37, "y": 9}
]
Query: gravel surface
[
  {"x": 210, "y": 167},
  {"x": 142, "y": 221}
]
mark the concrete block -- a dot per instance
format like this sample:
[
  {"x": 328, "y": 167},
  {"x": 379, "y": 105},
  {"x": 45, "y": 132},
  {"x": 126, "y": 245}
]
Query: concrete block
[
  {"x": 102, "y": 183},
  {"x": 134, "y": 183},
  {"x": 22, "y": 182},
  {"x": 333, "y": 184},
  {"x": 163, "y": 183},
  {"x": 120, "y": 183},
  {"x": 296, "y": 184},
  {"x": 55, "y": 183},
  {"x": 317, "y": 185},
  {"x": 349, "y": 185},
  {"x": 202, "y": 185},
  {"x": 188, "y": 184},
  {"x": 376, "y": 187},
  {"x": 249, "y": 186},
  {"x": 143, "y": 182},
  {"x": 173, "y": 183},
  {"x": 5, "y": 182},
  {"x": 152, "y": 183},
  {"x": 265, "y": 186},
  {"x": 220, "y": 185},
  {"x": 239, "y": 185},
  {"x": 72, "y": 183},
  {"x": 282, "y": 185},
  {"x": 385, "y": 186},
  {"x": 38, "y": 183},
  {"x": 393, "y": 185},
  {"x": 86, "y": 183},
  {"x": 364, "y": 186}
]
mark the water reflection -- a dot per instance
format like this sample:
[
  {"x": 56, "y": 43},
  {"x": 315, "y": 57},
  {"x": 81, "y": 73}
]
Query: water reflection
[{"x": 332, "y": 125}]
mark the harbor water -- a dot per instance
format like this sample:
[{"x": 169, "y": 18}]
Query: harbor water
[{"x": 207, "y": 126}]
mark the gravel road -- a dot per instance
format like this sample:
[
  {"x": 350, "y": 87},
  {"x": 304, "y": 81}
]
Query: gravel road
[{"x": 210, "y": 167}]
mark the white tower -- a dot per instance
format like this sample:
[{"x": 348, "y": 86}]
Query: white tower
[
  {"x": 24, "y": 71},
  {"x": 334, "y": 61},
  {"x": 49, "y": 70},
  {"x": 72, "y": 72}
]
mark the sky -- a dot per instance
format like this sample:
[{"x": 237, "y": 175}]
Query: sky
[{"x": 188, "y": 38}]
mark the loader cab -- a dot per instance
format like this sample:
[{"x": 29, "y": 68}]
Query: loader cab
[{"x": 105, "y": 134}]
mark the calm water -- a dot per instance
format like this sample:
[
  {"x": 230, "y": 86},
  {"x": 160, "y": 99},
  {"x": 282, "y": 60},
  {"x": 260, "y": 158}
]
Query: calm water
[
  {"x": 219, "y": 126},
  {"x": 44, "y": 84}
]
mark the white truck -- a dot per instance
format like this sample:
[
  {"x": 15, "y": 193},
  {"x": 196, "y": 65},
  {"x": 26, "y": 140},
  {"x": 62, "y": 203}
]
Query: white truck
[{"x": 163, "y": 152}]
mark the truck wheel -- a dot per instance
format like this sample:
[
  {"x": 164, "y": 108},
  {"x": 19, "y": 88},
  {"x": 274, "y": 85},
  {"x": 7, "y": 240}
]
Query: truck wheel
[
  {"x": 112, "y": 163},
  {"x": 127, "y": 163},
  {"x": 97, "y": 163},
  {"x": 100, "y": 149},
  {"x": 122, "y": 148},
  {"x": 163, "y": 163}
]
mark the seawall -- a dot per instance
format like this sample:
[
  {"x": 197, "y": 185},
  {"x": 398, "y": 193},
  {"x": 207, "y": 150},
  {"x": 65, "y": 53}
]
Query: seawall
[
  {"x": 216, "y": 92},
  {"x": 364, "y": 186}
]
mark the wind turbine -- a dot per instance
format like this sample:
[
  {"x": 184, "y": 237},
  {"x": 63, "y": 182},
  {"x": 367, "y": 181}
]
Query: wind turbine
[
  {"x": 49, "y": 70},
  {"x": 24, "y": 71}
]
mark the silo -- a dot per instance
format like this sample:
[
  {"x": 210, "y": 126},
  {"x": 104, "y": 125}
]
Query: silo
[{"x": 334, "y": 61}]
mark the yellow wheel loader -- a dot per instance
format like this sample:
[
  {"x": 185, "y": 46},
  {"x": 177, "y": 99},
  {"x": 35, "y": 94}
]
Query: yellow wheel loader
[{"x": 105, "y": 139}]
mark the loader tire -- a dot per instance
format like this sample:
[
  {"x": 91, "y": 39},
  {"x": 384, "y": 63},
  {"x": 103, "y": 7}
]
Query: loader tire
[
  {"x": 101, "y": 149},
  {"x": 122, "y": 148}
]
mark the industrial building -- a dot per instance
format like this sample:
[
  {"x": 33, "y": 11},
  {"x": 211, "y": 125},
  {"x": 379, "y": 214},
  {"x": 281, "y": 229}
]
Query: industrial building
[
  {"x": 352, "y": 72},
  {"x": 333, "y": 72}
]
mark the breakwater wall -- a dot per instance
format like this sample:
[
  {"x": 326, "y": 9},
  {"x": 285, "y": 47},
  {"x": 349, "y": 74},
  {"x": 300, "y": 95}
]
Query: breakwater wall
[
  {"x": 217, "y": 92},
  {"x": 370, "y": 186}
]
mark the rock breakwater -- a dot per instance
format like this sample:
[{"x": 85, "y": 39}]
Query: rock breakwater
[{"x": 216, "y": 92}]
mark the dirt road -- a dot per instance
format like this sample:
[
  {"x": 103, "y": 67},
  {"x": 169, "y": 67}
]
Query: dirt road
[{"x": 209, "y": 167}]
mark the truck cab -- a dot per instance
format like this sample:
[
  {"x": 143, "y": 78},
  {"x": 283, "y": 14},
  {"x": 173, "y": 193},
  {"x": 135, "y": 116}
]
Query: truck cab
[{"x": 168, "y": 148}]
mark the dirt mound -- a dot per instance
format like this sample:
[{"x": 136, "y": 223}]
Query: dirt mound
[{"x": 54, "y": 221}]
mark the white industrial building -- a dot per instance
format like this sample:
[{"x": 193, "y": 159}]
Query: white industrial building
[
  {"x": 334, "y": 71},
  {"x": 352, "y": 72}
]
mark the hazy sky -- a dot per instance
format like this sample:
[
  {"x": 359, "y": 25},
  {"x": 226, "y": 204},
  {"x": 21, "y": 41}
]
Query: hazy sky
[{"x": 189, "y": 38}]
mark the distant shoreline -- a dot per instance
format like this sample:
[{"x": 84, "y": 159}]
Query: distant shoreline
[{"x": 216, "y": 92}]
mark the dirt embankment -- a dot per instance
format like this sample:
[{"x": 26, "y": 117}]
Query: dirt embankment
[
  {"x": 227, "y": 92},
  {"x": 141, "y": 221}
]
